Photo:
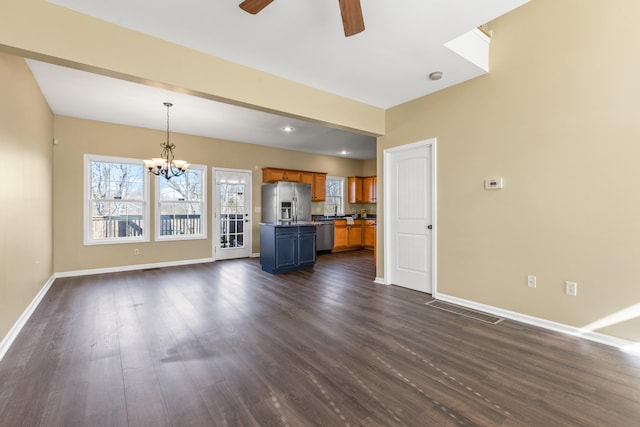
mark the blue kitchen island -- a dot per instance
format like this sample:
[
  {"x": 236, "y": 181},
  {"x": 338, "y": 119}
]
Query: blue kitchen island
[{"x": 287, "y": 246}]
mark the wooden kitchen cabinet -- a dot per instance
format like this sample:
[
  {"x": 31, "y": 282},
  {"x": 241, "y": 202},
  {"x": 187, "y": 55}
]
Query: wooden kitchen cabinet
[
  {"x": 355, "y": 234},
  {"x": 340, "y": 235},
  {"x": 318, "y": 183},
  {"x": 369, "y": 189},
  {"x": 306, "y": 177},
  {"x": 319, "y": 187},
  {"x": 369, "y": 233},
  {"x": 347, "y": 237},
  {"x": 355, "y": 189},
  {"x": 275, "y": 175},
  {"x": 317, "y": 180},
  {"x": 362, "y": 189}
]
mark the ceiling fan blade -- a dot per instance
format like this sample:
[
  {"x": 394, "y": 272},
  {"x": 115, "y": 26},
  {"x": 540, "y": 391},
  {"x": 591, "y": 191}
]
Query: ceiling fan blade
[
  {"x": 254, "y": 6},
  {"x": 352, "y": 19}
]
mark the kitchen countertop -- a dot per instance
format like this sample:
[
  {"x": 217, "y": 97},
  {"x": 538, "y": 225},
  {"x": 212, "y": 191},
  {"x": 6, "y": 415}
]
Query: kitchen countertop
[
  {"x": 288, "y": 223},
  {"x": 316, "y": 220},
  {"x": 334, "y": 218}
]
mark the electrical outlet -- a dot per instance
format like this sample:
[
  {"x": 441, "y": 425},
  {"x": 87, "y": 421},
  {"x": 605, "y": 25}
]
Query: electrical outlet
[
  {"x": 136, "y": 251},
  {"x": 531, "y": 281},
  {"x": 571, "y": 288}
]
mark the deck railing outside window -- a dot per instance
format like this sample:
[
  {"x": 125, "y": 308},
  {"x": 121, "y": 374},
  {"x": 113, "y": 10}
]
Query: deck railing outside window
[{"x": 106, "y": 227}]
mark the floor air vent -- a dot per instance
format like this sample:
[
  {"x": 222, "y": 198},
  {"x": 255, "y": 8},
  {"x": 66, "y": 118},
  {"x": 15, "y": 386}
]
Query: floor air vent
[{"x": 466, "y": 312}]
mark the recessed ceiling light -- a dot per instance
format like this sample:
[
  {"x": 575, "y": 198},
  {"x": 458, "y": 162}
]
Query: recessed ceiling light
[
  {"x": 287, "y": 128},
  {"x": 344, "y": 152},
  {"x": 436, "y": 75}
]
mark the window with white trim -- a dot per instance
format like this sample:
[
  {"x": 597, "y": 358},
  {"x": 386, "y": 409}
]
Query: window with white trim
[
  {"x": 181, "y": 210},
  {"x": 116, "y": 208},
  {"x": 334, "y": 202}
]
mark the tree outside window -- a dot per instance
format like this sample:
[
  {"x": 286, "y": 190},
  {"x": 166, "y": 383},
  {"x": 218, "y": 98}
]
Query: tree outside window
[
  {"x": 116, "y": 193},
  {"x": 334, "y": 202},
  {"x": 181, "y": 205}
]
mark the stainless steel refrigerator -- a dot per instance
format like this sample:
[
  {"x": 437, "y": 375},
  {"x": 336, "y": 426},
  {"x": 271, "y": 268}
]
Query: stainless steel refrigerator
[{"x": 286, "y": 201}]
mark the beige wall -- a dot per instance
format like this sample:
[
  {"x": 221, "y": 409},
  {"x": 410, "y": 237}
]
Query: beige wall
[
  {"x": 369, "y": 168},
  {"x": 77, "y": 137},
  {"x": 26, "y": 132},
  {"x": 557, "y": 117}
]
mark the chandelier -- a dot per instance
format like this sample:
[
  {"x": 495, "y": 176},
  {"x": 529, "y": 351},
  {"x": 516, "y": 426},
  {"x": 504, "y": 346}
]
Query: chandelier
[{"x": 166, "y": 165}]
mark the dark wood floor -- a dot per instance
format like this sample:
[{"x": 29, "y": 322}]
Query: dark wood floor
[{"x": 225, "y": 344}]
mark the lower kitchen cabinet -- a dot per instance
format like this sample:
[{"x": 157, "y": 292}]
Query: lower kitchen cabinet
[
  {"x": 362, "y": 234},
  {"x": 287, "y": 248},
  {"x": 347, "y": 237},
  {"x": 369, "y": 233},
  {"x": 340, "y": 235}
]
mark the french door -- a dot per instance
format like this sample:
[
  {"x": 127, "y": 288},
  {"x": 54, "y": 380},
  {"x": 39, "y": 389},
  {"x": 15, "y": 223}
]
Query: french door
[{"x": 232, "y": 218}]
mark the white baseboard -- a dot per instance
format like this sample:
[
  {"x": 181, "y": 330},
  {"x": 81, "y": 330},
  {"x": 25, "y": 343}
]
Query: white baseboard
[
  {"x": 380, "y": 281},
  {"x": 625, "y": 345},
  {"x": 22, "y": 320},
  {"x": 77, "y": 273},
  {"x": 255, "y": 255}
]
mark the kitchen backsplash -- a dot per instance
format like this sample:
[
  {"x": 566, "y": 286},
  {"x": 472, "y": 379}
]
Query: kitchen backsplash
[{"x": 317, "y": 208}]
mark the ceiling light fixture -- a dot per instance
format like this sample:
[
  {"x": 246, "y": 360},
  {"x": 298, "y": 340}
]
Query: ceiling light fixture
[
  {"x": 166, "y": 165},
  {"x": 287, "y": 129},
  {"x": 344, "y": 152},
  {"x": 436, "y": 75}
]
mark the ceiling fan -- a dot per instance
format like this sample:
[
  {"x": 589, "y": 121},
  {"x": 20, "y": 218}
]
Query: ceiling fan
[{"x": 352, "y": 20}]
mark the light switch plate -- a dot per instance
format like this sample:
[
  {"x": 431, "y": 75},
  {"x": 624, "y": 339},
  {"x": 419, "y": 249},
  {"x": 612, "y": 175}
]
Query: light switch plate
[
  {"x": 571, "y": 288},
  {"x": 493, "y": 183}
]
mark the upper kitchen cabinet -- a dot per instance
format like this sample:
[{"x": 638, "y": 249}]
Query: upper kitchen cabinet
[
  {"x": 362, "y": 189},
  {"x": 317, "y": 180},
  {"x": 369, "y": 189},
  {"x": 319, "y": 187},
  {"x": 318, "y": 183},
  {"x": 275, "y": 175},
  {"x": 355, "y": 189}
]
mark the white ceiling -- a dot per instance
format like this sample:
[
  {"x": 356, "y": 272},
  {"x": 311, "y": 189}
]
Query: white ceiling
[
  {"x": 300, "y": 40},
  {"x": 90, "y": 96}
]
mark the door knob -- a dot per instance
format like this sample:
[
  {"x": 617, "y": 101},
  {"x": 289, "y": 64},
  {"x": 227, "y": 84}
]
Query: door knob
[{"x": 429, "y": 226}]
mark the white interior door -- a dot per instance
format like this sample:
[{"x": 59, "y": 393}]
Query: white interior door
[
  {"x": 409, "y": 211},
  {"x": 232, "y": 219}
]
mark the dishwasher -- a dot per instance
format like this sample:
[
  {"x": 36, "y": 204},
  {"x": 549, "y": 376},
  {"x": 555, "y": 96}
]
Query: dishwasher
[{"x": 324, "y": 236}]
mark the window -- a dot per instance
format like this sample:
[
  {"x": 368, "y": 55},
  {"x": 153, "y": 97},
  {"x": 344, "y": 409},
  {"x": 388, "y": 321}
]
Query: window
[
  {"x": 334, "y": 203},
  {"x": 181, "y": 210},
  {"x": 116, "y": 195}
]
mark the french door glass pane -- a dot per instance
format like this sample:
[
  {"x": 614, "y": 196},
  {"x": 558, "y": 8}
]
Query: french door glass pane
[{"x": 232, "y": 215}]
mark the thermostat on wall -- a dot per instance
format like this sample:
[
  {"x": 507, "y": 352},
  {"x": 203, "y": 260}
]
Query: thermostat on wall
[{"x": 493, "y": 183}]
